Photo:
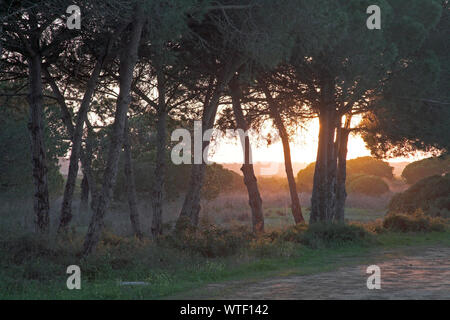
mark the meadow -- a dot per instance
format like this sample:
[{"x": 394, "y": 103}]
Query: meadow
[{"x": 224, "y": 248}]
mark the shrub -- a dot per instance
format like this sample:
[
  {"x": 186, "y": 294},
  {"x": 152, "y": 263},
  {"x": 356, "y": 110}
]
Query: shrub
[
  {"x": 331, "y": 235},
  {"x": 418, "y": 221},
  {"x": 268, "y": 246},
  {"x": 212, "y": 241},
  {"x": 305, "y": 178},
  {"x": 272, "y": 184},
  {"x": 374, "y": 227},
  {"x": 431, "y": 195},
  {"x": 370, "y": 166},
  {"x": 419, "y": 170},
  {"x": 294, "y": 233},
  {"x": 362, "y": 166},
  {"x": 217, "y": 179},
  {"x": 368, "y": 185}
]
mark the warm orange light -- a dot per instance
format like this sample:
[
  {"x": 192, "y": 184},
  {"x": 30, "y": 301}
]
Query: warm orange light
[{"x": 303, "y": 147}]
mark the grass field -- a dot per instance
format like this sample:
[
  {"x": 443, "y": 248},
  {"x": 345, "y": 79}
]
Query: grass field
[
  {"x": 35, "y": 268},
  {"x": 170, "y": 272}
]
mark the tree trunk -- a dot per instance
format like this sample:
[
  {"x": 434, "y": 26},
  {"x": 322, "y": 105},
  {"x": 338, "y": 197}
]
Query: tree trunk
[
  {"x": 85, "y": 154},
  {"x": 66, "y": 208},
  {"x": 341, "y": 193},
  {"x": 191, "y": 205},
  {"x": 131, "y": 185},
  {"x": 295, "y": 202},
  {"x": 254, "y": 197},
  {"x": 321, "y": 199},
  {"x": 86, "y": 162},
  {"x": 160, "y": 172},
  {"x": 332, "y": 170},
  {"x": 84, "y": 197},
  {"x": 39, "y": 165},
  {"x": 127, "y": 63}
]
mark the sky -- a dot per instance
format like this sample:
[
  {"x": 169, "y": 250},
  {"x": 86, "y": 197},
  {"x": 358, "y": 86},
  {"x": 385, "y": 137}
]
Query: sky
[{"x": 303, "y": 147}]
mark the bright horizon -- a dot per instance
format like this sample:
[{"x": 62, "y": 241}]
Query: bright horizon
[{"x": 303, "y": 147}]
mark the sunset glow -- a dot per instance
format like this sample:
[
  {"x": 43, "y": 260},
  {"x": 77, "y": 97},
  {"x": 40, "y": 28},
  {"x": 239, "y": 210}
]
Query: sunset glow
[{"x": 303, "y": 147}]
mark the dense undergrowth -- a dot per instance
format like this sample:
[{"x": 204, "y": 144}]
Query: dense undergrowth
[{"x": 35, "y": 267}]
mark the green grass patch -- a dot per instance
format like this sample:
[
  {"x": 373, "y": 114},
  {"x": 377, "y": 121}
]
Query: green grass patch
[{"x": 35, "y": 268}]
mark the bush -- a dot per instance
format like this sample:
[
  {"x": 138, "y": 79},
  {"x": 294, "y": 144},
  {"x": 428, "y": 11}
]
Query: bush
[
  {"x": 431, "y": 195},
  {"x": 272, "y": 184},
  {"x": 418, "y": 221},
  {"x": 367, "y": 185},
  {"x": 370, "y": 166},
  {"x": 373, "y": 227},
  {"x": 217, "y": 179},
  {"x": 362, "y": 166},
  {"x": 419, "y": 170},
  {"x": 331, "y": 235},
  {"x": 294, "y": 233},
  {"x": 305, "y": 178},
  {"x": 210, "y": 242}
]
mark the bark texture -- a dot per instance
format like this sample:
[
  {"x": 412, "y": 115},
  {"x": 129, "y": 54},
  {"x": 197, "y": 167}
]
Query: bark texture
[
  {"x": 275, "y": 114},
  {"x": 191, "y": 205},
  {"x": 84, "y": 196},
  {"x": 329, "y": 194},
  {"x": 324, "y": 188},
  {"x": 39, "y": 164},
  {"x": 254, "y": 197},
  {"x": 341, "y": 193},
  {"x": 295, "y": 202},
  {"x": 85, "y": 154},
  {"x": 131, "y": 185},
  {"x": 128, "y": 61},
  {"x": 66, "y": 207},
  {"x": 160, "y": 172}
]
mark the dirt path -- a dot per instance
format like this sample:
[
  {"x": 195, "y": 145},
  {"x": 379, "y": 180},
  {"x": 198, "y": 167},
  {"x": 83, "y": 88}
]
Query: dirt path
[{"x": 421, "y": 275}]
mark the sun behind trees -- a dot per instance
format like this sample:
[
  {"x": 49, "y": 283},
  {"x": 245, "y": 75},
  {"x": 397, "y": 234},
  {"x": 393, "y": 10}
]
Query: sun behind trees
[{"x": 110, "y": 94}]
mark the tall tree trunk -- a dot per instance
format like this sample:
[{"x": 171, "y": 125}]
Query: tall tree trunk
[
  {"x": 86, "y": 162},
  {"x": 39, "y": 164},
  {"x": 85, "y": 154},
  {"x": 160, "y": 167},
  {"x": 127, "y": 63},
  {"x": 323, "y": 199},
  {"x": 66, "y": 208},
  {"x": 84, "y": 196},
  {"x": 332, "y": 170},
  {"x": 295, "y": 202},
  {"x": 131, "y": 185},
  {"x": 191, "y": 204},
  {"x": 254, "y": 197},
  {"x": 341, "y": 193},
  {"x": 321, "y": 205}
]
